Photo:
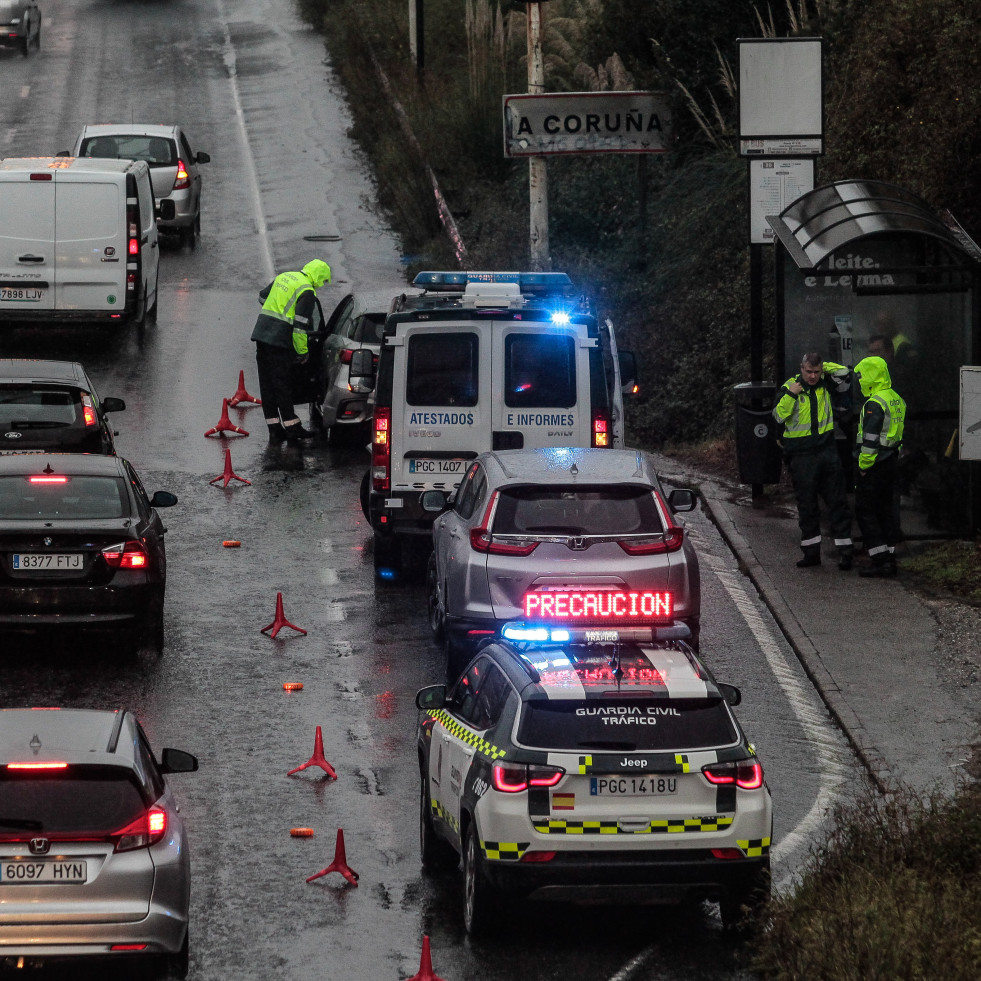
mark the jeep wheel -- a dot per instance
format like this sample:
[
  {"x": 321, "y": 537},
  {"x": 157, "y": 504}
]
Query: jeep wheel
[
  {"x": 480, "y": 898},
  {"x": 435, "y": 853}
]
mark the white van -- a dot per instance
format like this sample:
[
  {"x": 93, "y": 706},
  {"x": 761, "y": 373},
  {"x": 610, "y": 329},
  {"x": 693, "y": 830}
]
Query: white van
[
  {"x": 482, "y": 361},
  {"x": 78, "y": 240}
]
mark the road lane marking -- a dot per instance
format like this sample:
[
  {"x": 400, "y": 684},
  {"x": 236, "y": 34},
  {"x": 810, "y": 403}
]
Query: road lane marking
[{"x": 25, "y": 91}]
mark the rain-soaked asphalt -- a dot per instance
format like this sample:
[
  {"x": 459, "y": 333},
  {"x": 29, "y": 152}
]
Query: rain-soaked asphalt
[{"x": 247, "y": 82}]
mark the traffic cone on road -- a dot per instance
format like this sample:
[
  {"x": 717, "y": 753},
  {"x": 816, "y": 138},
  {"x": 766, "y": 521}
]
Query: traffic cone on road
[
  {"x": 229, "y": 474},
  {"x": 280, "y": 620},
  {"x": 224, "y": 424},
  {"x": 425, "y": 964},
  {"x": 318, "y": 758},
  {"x": 339, "y": 864},
  {"x": 241, "y": 395}
]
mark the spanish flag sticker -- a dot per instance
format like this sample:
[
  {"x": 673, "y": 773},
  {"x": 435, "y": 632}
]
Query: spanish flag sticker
[{"x": 563, "y": 802}]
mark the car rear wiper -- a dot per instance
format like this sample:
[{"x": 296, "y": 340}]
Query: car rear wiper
[{"x": 20, "y": 824}]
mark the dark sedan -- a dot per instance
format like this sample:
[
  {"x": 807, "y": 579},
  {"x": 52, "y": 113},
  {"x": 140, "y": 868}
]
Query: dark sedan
[
  {"x": 81, "y": 543},
  {"x": 20, "y": 25}
]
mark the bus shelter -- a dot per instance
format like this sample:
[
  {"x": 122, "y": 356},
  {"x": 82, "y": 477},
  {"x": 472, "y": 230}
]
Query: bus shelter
[{"x": 866, "y": 267}]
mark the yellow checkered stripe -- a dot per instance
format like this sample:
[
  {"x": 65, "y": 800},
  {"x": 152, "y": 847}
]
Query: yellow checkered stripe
[
  {"x": 504, "y": 851},
  {"x": 717, "y": 822},
  {"x": 443, "y": 814},
  {"x": 585, "y": 762},
  {"x": 754, "y": 847},
  {"x": 463, "y": 733},
  {"x": 682, "y": 760}
]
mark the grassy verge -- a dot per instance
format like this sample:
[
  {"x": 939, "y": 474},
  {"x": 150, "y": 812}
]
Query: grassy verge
[{"x": 948, "y": 567}]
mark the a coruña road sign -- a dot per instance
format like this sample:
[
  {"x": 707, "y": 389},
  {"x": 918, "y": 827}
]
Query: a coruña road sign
[{"x": 586, "y": 122}]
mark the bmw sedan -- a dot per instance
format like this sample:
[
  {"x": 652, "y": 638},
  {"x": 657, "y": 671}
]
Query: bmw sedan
[
  {"x": 560, "y": 535},
  {"x": 81, "y": 543}
]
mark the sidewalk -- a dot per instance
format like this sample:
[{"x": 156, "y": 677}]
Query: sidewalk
[{"x": 873, "y": 648}]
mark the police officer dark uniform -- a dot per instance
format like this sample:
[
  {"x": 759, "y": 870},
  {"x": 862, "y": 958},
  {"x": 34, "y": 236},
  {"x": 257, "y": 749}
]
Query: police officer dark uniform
[
  {"x": 290, "y": 313},
  {"x": 880, "y": 435},
  {"x": 805, "y": 410}
]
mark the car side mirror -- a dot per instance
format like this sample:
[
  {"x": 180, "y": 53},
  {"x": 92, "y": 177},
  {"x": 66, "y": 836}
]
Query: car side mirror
[
  {"x": 628, "y": 371},
  {"x": 433, "y": 501},
  {"x": 111, "y": 404},
  {"x": 166, "y": 210},
  {"x": 202, "y": 158},
  {"x": 163, "y": 499},
  {"x": 731, "y": 694},
  {"x": 682, "y": 499},
  {"x": 177, "y": 761},
  {"x": 431, "y": 698},
  {"x": 363, "y": 366}
]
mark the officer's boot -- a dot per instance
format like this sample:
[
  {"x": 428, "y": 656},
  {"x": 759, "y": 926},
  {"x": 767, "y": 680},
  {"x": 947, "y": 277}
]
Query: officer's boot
[
  {"x": 276, "y": 431},
  {"x": 294, "y": 432},
  {"x": 812, "y": 556},
  {"x": 883, "y": 565},
  {"x": 845, "y": 561}
]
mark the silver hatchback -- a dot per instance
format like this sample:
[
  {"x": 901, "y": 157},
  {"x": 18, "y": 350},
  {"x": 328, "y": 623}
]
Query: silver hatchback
[
  {"x": 93, "y": 851},
  {"x": 565, "y": 536}
]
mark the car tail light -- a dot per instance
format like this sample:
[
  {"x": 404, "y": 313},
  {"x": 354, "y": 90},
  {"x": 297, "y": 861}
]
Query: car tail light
[
  {"x": 133, "y": 231},
  {"x": 126, "y": 555},
  {"x": 512, "y": 778},
  {"x": 129, "y": 947},
  {"x": 146, "y": 830},
  {"x": 601, "y": 428},
  {"x": 746, "y": 774},
  {"x": 88, "y": 412},
  {"x": 51, "y": 765},
  {"x": 346, "y": 355},
  {"x": 183, "y": 180},
  {"x": 48, "y": 479},
  {"x": 481, "y": 539},
  {"x": 670, "y": 540},
  {"x": 381, "y": 450}
]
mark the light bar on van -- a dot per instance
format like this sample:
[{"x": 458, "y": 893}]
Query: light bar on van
[
  {"x": 595, "y": 606},
  {"x": 530, "y": 282}
]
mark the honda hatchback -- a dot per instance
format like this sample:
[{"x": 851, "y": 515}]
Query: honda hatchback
[{"x": 94, "y": 855}]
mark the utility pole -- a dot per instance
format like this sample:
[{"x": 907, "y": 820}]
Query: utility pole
[{"x": 537, "y": 170}]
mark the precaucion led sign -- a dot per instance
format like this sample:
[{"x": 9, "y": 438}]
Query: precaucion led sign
[{"x": 601, "y": 604}]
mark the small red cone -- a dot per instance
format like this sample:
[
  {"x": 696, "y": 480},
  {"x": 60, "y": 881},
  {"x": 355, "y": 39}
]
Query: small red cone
[
  {"x": 318, "y": 758},
  {"x": 241, "y": 395},
  {"x": 224, "y": 424},
  {"x": 280, "y": 620},
  {"x": 229, "y": 474},
  {"x": 425, "y": 965},
  {"x": 339, "y": 864}
]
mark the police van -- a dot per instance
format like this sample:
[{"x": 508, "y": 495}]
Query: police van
[
  {"x": 78, "y": 240},
  {"x": 482, "y": 361}
]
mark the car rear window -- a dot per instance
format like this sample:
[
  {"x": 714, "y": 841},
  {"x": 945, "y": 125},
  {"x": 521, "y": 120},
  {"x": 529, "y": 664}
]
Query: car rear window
[
  {"x": 38, "y": 407},
  {"x": 625, "y": 724},
  {"x": 608, "y": 510},
  {"x": 442, "y": 369},
  {"x": 368, "y": 329},
  {"x": 539, "y": 371},
  {"x": 79, "y": 799},
  {"x": 157, "y": 151},
  {"x": 77, "y": 498}
]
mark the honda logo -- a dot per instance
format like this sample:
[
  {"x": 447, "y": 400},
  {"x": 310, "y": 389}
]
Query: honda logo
[
  {"x": 577, "y": 544},
  {"x": 39, "y": 846}
]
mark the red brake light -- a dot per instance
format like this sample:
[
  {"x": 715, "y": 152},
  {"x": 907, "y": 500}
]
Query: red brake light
[
  {"x": 512, "y": 778},
  {"x": 88, "y": 412},
  {"x": 346, "y": 355},
  {"x": 183, "y": 179},
  {"x": 745, "y": 774},
  {"x": 481, "y": 539},
  {"x": 48, "y": 480},
  {"x": 128, "y": 555},
  {"x": 381, "y": 450},
  {"x": 37, "y": 766},
  {"x": 601, "y": 428},
  {"x": 146, "y": 830}
]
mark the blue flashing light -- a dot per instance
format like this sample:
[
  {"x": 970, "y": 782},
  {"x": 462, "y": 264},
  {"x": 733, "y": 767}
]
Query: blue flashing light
[
  {"x": 387, "y": 574},
  {"x": 561, "y": 318},
  {"x": 523, "y": 632}
]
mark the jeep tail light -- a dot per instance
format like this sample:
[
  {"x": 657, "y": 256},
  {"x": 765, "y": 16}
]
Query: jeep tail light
[
  {"x": 513, "y": 778},
  {"x": 146, "y": 830},
  {"x": 183, "y": 180},
  {"x": 381, "y": 450},
  {"x": 746, "y": 774},
  {"x": 601, "y": 428},
  {"x": 481, "y": 539},
  {"x": 126, "y": 555}
]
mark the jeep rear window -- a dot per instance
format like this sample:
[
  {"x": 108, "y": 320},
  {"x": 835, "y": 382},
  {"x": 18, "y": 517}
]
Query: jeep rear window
[
  {"x": 442, "y": 369},
  {"x": 539, "y": 371},
  {"x": 37, "y": 407},
  {"x": 625, "y": 724},
  {"x": 609, "y": 510},
  {"x": 78, "y": 498},
  {"x": 79, "y": 799}
]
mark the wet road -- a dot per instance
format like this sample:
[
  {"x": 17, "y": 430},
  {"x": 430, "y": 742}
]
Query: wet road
[{"x": 247, "y": 82}]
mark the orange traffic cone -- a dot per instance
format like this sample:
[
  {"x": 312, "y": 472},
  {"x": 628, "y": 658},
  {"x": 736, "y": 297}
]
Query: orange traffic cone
[
  {"x": 425, "y": 965},
  {"x": 280, "y": 620},
  {"x": 229, "y": 474},
  {"x": 224, "y": 424},
  {"x": 339, "y": 864},
  {"x": 241, "y": 395},
  {"x": 318, "y": 758}
]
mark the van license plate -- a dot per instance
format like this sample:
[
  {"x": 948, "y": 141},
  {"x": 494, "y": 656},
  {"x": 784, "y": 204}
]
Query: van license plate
[
  {"x": 23, "y": 871},
  {"x": 650, "y": 785},
  {"x": 48, "y": 560},
  {"x": 437, "y": 466},
  {"x": 20, "y": 294}
]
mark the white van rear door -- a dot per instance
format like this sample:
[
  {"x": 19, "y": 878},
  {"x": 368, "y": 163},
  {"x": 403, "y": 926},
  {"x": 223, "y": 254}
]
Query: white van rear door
[
  {"x": 90, "y": 227},
  {"x": 541, "y": 386},
  {"x": 27, "y": 252},
  {"x": 441, "y": 407}
]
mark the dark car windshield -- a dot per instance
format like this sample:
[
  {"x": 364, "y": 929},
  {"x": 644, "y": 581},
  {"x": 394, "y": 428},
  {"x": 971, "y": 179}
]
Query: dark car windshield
[
  {"x": 625, "y": 724},
  {"x": 39, "y": 407},
  {"x": 157, "y": 151},
  {"x": 60, "y": 497},
  {"x": 608, "y": 510},
  {"x": 79, "y": 799}
]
